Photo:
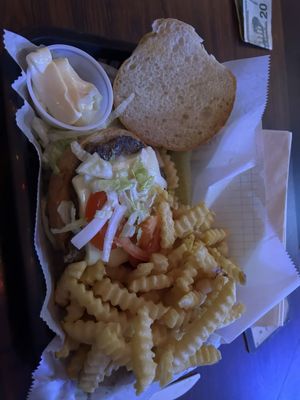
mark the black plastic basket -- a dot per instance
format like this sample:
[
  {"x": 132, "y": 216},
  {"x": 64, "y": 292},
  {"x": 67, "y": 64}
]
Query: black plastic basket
[{"x": 24, "y": 282}]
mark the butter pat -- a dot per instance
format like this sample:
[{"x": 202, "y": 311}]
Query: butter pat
[{"x": 61, "y": 91}]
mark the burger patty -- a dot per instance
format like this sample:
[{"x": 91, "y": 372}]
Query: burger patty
[
  {"x": 61, "y": 188},
  {"x": 122, "y": 145}
]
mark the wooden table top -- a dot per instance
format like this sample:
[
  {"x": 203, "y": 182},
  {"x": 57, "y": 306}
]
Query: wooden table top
[{"x": 270, "y": 372}]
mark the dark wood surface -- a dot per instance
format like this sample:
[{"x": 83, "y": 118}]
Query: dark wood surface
[{"x": 272, "y": 372}]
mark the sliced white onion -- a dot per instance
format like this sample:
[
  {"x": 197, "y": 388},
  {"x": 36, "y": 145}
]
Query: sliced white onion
[
  {"x": 133, "y": 217},
  {"x": 87, "y": 233},
  {"x": 129, "y": 227},
  {"x": 66, "y": 211},
  {"x": 79, "y": 152},
  {"x": 112, "y": 199},
  {"x": 128, "y": 231},
  {"x": 92, "y": 254},
  {"x": 95, "y": 166},
  {"x": 105, "y": 212},
  {"x": 112, "y": 228},
  {"x": 118, "y": 111}
]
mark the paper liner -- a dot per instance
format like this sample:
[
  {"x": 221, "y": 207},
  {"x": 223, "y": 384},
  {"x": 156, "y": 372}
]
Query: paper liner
[{"x": 222, "y": 170}]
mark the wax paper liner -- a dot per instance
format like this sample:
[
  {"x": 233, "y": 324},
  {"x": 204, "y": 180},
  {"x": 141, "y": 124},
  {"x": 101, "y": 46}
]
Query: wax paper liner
[{"x": 222, "y": 170}]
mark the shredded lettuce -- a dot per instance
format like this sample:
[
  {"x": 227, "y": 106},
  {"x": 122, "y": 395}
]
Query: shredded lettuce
[
  {"x": 104, "y": 213},
  {"x": 41, "y": 129},
  {"x": 140, "y": 173},
  {"x": 126, "y": 200},
  {"x": 128, "y": 230},
  {"x": 107, "y": 185},
  {"x": 66, "y": 211},
  {"x": 71, "y": 227},
  {"x": 118, "y": 111},
  {"x": 53, "y": 152},
  {"x": 95, "y": 166},
  {"x": 139, "y": 234}
]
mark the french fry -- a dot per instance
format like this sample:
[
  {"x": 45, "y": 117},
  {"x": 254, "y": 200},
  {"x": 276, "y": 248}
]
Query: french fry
[
  {"x": 142, "y": 356},
  {"x": 206, "y": 224},
  {"x": 72, "y": 272},
  {"x": 167, "y": 225},
  {"x": 201, "y": 328},
  {"x": 152, "y": 282},
  {"x": 118, "y": 274},
  {"x": 160, "y": 263},
  {"x": 68, "y": 346},
  {"x": 93, "y": 371},
  {"x": 229, "y": 267},
  {"x": 111, "y": 367},
  {"x": 176, "y": 255},
  {"x": 181, "y": 210},
  {"x": 76, "y": 362},
  {"x": 186, "y": 278},
  {"x": 74, "y": 311},
  {"x": 93, "y": 273},
  {"x": 159, "y": 334},
  {"x": 154, "y": 295},
  {"x": 174, "y": 318},
  {"x": 142, "y": 270},
  {"x": 206, "y": 355},
  {"x": 203, "y": 285},
  {"x": 235, "y": 313},
  {"x": 165, "y": 365},
  {"x": 170, "y": 170},
  {"x": 206, "y": 262},
  {"x": 113, "y": 345},
  {"x": 87, "y": 331},
  {"x": 213, "y": 236},
  {"x": 191, "y": 300},
  {"x": 173, "y": 295},
  {"x": 189, "y": 242},
  {"x": 222, "y": 247},
  {"x": 102, "y": 311},
  {"x": 194, "y": 217},
  {"x": 125, "y": 300}
]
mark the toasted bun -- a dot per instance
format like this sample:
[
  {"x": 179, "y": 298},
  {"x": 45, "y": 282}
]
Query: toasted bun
[
  {"x": 107, "y": 134},
  {"x": 183, "y": 96}
]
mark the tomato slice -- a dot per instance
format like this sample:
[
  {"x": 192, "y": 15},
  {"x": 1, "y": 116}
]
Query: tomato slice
[
  {"x": 134, "y": 262},
  {"x": 150, "y": 238},
  {"x": 148, "y": 227},
  {"x": 132, "y": 249},
  {"x": 95, "y": 202}
]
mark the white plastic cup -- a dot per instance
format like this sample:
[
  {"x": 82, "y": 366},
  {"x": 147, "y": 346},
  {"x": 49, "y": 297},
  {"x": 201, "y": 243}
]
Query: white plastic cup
[{"x": 89, "y": 70}]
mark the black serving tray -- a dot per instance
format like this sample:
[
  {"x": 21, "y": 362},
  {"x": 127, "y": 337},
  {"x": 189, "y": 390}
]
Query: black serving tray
[{"x": 24, "y": 281}]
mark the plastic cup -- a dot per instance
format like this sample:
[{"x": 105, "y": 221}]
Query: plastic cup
[{"x": 89, "y": 70}]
